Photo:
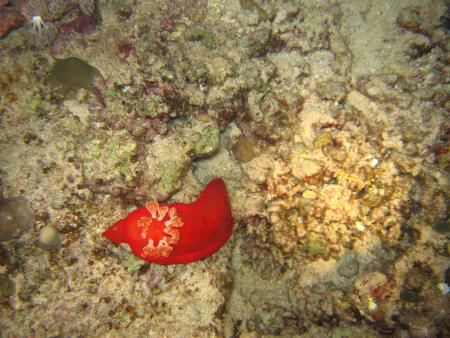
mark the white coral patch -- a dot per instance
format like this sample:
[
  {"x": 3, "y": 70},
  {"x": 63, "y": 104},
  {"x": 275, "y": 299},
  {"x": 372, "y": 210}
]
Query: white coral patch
[{"x": 37, "y": 23}]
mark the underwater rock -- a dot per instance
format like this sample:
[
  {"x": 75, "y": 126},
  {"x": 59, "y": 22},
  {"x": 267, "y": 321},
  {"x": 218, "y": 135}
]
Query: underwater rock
[
  {"x": 442, "y": 226},
  {"x": 203, "y": 138},
  {"x": 196, "y": 10},
  {"x": 349, "y": 266},
  {"x": 165, "y": 164},
  {"x": 254, "y": 105},
  {"x": 304, "y": 168},
  {"x": 15, "y": 217},
  {"x": 49, "y": 238},
  {"x": 331, "y": 90}
]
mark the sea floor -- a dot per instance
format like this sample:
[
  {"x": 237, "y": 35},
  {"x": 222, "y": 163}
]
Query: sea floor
[{"x": 327, "y": 120}]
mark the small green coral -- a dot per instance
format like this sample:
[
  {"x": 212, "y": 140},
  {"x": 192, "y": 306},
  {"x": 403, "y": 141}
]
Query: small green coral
[{"x": 316, "y": 245}]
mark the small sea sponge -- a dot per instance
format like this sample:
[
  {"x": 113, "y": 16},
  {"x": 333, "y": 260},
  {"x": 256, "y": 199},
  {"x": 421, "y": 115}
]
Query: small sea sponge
[
  {"x": 49, "y": 238},
  {"x": 15, "y": 217},
  {"x": 244, "y": 149}
]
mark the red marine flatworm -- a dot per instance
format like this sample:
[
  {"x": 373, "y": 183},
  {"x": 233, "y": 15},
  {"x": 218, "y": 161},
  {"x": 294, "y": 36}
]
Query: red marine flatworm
[{"x": 177, "y": 232}]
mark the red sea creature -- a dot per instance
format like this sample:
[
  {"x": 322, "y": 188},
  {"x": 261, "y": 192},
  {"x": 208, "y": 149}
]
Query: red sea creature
[{"x": 177, "y": 232}]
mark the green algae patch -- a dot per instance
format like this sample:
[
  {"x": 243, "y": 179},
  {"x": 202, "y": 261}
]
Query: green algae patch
[
  {"x": 171, "y": 174},
  {"x": 72, "y": 74},
  {"x": 108, "y": 158},
  {"x": 317, "y": 246}
]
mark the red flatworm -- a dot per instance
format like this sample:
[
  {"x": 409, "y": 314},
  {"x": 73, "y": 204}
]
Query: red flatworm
[{"x": 177, "y": 232}]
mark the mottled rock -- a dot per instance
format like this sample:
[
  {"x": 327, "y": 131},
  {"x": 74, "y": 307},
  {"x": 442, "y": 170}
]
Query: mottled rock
[
  {"x": 15, "y": 217},
  {"x": 203, "y": 138},
  {"x": 9, "y": 19},
  {"x": 410, "y": 19},
  {"x": 222, "y": 165},
  {"x": 304, "y": 168},
  {"x": 152, "y": 106},
  {"x": 349, "y": 266},
  {"x": 165, "y": 164},
  {"x": 107, "y": 160},
  {"x": 44, "y": 36},
  {"x": 254, "y": 105},
  {"x": 331, "y": 90}
]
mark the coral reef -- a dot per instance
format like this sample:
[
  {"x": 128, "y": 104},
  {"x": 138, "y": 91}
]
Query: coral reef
[{"x": 327, "y": 120}]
